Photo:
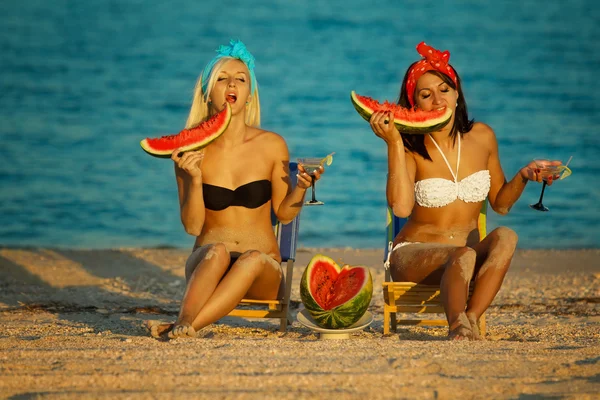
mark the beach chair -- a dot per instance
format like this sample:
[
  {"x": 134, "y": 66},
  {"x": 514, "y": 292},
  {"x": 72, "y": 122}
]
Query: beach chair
[
  {"x": 287, "y": 236},
  {"x": 415, "y": 298}
]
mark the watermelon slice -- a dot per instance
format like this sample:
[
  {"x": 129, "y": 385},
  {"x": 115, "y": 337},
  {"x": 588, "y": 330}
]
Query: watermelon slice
[
  {"x": 414, "y": 122},
  {"x": 189, "y": 139}
]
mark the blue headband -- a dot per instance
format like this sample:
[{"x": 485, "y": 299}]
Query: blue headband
[{"x": 235, "y": 49}]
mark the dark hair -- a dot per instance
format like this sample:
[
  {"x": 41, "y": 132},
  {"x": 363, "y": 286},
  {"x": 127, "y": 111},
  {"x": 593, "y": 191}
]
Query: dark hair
[{"x": 462, "y": 124}]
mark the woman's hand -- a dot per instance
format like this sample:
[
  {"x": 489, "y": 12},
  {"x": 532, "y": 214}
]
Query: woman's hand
[
  {"x": 189, "y": 162},
  {"x": 382, "y": 123},
  {"x": 533, "y": 171},
  {"x": 304, "y": 180}
]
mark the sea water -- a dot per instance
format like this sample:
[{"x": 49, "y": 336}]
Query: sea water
[{"x": 81, "y": 83}]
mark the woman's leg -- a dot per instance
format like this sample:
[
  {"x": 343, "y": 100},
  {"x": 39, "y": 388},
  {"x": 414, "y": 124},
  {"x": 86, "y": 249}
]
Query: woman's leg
[
  {"x": 202, "y": 274},
  {"x": 254, "y": 275},
  {"x": 494, "y": 254},
  {"x": 449, "y": 266},
  {"x": 203, "y": 270}
]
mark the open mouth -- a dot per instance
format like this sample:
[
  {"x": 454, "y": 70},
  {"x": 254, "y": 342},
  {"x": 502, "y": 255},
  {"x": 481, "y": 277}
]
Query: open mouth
[{"x": 231, "y": 98}]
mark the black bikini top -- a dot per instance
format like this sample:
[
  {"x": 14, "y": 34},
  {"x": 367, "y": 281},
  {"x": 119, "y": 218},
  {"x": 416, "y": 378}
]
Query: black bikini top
[{"x": 251, "y": 195}]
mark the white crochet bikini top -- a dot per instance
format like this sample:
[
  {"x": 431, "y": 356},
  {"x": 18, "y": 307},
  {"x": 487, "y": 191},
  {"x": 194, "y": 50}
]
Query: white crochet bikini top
[{"x": 439, "y": 192}]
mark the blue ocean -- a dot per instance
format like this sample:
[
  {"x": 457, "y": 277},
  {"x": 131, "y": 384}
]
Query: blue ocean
[{"x": 82, "y": 82}]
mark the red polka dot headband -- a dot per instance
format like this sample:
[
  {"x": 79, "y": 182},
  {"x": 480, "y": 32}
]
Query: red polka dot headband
[{"x": 433, "y": 60}]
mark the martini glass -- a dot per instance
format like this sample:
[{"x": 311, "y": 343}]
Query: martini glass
[
  {"x": 547, "y": 170},
  {"x": 311, "y": 164}
]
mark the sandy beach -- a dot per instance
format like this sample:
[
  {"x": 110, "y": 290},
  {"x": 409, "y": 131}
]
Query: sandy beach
[{"x": 71, "y": 327}]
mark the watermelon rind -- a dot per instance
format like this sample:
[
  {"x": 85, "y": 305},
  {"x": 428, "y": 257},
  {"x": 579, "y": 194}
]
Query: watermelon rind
[
  {"x": 345, "y": 314},
  {"x": 404, "y": 125},
  {"x": 217, "y": 124}
]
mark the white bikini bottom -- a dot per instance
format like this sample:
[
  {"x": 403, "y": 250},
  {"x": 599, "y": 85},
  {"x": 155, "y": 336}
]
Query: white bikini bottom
[
  {"x": 402, "y": 244},
  {"x": 386, "y": 264}
]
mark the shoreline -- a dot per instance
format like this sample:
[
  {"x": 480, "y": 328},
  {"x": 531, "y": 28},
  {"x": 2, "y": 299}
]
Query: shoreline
[
  {"x": 71, "y": 327},
  {"x": 303, "y": 248}
]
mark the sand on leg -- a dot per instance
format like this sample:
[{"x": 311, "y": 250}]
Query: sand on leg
[
  {"x": 254, "y": 275},
  {"x": 449, "y": 266},
  {"x": 494, "y": 255},
  {"x": 203, "y": 270}
]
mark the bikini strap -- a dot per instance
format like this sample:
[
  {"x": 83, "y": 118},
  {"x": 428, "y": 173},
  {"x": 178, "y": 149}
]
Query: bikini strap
[
  {"x": 386, "y": 264},
  {"x": 455, "y": 176}
]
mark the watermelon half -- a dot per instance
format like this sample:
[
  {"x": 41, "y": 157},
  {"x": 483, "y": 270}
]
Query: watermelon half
[
  {"x": 335, "y": 297},
  {"x": 414, "y": 122},
  {"x": 189, "y": 139}
]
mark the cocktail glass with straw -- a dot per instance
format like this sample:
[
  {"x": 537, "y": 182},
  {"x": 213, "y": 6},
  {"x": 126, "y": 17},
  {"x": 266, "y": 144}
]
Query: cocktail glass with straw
[
  {"x": 547, "y": 170},
  {"x": 311, "y": 164}
]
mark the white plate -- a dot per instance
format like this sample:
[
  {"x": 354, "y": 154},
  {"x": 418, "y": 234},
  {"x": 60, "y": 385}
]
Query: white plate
[{"x": 305, "y": 319}]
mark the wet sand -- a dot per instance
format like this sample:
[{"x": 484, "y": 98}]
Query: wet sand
[{"x": 71, "y": 327}]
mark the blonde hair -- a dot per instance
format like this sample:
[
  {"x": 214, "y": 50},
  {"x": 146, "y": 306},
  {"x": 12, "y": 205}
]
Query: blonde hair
[{"x": 200, "y": 110}]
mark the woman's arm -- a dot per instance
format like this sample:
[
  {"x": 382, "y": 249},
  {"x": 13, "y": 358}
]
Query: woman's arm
[
  {"x": 400, "y": 184},
  {"x": 189, "y": 189},
  {"x": 286, "y": 202},
  {"x": 503, "y": 195}
]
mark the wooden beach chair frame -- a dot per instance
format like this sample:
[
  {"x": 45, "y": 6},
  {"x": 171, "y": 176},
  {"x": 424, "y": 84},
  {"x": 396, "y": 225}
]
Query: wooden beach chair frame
[
  {"x": 287, "y": 238},
  {"x": 411, "y": 297}
]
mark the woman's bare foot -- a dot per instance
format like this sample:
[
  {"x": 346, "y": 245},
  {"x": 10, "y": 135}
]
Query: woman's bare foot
[
  {"x": 474, "y": 326},
  {"x": 460, "y": 329},
  {"x": 158, "y": 329},
  {"x": 182, "y": 329}
]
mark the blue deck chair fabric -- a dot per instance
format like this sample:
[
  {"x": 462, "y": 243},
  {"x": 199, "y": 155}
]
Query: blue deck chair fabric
[
  {"x": 411, "y": 297},
  {"x": 287, "y": 237}
]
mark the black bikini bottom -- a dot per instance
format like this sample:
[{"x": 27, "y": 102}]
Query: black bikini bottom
[{"x": 234, "y": 255}]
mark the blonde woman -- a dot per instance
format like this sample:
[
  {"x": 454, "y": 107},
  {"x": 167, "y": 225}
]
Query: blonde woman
[{"x": 226, "y": 193}]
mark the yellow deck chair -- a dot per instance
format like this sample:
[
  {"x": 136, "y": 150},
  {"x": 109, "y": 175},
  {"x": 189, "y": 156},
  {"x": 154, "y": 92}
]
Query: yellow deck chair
[
  {"x": 287, "y": 237},
  {"x": 411, "y": 297}
]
